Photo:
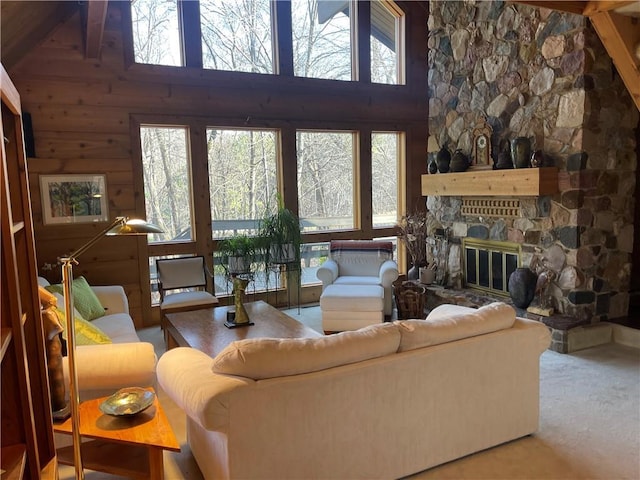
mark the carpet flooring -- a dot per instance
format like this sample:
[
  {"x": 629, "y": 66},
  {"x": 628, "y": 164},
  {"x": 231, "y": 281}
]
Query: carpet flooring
[{"x": 589, "y": 422}]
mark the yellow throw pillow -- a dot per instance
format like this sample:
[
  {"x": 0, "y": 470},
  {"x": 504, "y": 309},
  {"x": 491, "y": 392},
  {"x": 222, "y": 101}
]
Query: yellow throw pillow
[
  {"x": 84, "y": 299},
  {"x": 86, "y": 332}
]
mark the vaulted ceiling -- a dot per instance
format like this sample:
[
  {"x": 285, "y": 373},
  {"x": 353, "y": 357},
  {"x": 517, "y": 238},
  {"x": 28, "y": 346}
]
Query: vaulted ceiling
[{"x": 24, "y": 25}]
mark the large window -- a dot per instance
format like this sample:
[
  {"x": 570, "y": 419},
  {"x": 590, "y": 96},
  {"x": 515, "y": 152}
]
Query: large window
[
  {"x": 236, "y": 35},
  {"x": 240, "y": 36},
  {"x": 167, "y": 181},
  {"x": 385, "y": 160},
  {"x": 326, "y": 163},
  {"x": 321, "y": 39},
  {"x": 242, "y": 178},
  {"x": 386, "y": 28},
  {"x": 156, "y": 35}
]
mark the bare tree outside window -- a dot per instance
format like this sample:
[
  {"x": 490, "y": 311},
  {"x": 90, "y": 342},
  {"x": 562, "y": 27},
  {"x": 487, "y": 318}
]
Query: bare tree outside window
[
  {"x": 167, "y": 182},
  {"x": 321, "y": 39},
  {"x": 385, "y": 160},
  {"x": 156, "y": 35},
  {"x": 242, "y": 178},
  {"x": 236, "y": 35},
  {"x": 325, "y": 179}
]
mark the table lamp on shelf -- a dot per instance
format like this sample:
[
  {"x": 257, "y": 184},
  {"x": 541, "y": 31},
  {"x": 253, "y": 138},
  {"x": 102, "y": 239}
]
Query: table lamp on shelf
[{"x": 120, "y": 226}]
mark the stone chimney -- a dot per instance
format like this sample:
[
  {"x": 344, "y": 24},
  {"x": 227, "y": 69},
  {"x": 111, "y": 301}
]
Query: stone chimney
[{"x": 544, "y": 75}]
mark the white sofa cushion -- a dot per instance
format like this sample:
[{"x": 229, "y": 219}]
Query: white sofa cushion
[
  {"x": 274, "y": 357},
  {"x": 448, "y": 323},
  {"x": 352, "y": 298},
  {"x": 119, "y": 327}
]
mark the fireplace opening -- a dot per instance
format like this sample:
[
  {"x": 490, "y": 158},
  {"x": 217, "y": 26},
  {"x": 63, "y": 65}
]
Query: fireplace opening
[{"x": 489, "y": 263}]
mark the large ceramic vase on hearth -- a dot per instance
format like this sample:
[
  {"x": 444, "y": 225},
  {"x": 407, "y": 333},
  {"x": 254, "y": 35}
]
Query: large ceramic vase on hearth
[{"x": 522, "y": 286}]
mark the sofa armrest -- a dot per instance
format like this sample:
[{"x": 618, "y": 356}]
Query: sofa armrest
[
  {"x": 113, "y": 298},
  {"x": 388, "y": 273},
  {"x": 185, "y": 375},
  {"x": 113, "y": 366},
  {"x": 327, "y": 272}
]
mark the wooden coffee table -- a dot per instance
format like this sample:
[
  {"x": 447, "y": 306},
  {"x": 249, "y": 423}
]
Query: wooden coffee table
[
  {"x": 128, "y": 446},
  {"x": 204, "y": 329}
]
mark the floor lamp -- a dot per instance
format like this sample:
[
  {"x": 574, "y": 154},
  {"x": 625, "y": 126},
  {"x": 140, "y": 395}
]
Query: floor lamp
[{"x": 120, "y": 226}]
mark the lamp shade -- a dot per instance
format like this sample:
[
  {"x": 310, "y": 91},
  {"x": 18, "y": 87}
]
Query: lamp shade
[{"x": 133, "y": 226}]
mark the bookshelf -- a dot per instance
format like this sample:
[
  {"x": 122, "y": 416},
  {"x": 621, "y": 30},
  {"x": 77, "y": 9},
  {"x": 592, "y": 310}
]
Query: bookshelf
[{"x": 27, "y": 449}]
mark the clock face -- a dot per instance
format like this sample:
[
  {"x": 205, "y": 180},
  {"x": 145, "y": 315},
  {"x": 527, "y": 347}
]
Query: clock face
[{"x": 482, "y": 150}]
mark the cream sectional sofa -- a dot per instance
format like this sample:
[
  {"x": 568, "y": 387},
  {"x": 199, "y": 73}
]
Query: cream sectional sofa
[
  {"x": 127, "y": 362},
  {"x": 384, "y": 401}
]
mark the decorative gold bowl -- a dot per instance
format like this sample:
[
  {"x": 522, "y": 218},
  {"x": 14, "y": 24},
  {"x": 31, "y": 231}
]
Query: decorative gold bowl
[{"x": 127, "y": 401}]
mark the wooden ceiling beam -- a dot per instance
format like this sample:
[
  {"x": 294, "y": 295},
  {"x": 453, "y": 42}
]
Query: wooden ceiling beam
[
  {"x": 596, "y": 6},
  {"x": 576, "y": 7},
  {"x": 620, "y": 34},
  {"x": 96, "y": 15}
]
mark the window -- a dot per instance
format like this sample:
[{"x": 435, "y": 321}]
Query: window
[
  {"x": 167, "y": 181},
  {"x": 156, "y": 35},
  {"x": 385, "y": 43},
  {"x": 242, "y": 178},
  {"x": 385, "y": 159},
  {"x": 236, "y": 35},
  {"x": 321, "y": 39},
  {"x": 325, "y": 180}
]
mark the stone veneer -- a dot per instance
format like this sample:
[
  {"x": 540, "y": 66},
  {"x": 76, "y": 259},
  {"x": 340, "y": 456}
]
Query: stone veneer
[{"x": 544, "y": 75}]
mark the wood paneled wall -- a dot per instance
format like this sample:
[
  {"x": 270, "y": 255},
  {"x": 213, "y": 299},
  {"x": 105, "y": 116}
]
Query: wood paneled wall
[{"x": 81, "y": 110}]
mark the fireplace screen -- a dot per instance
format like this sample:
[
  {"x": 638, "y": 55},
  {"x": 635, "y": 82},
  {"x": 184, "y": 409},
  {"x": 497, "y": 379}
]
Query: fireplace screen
[{"x": 488, "y": 264}]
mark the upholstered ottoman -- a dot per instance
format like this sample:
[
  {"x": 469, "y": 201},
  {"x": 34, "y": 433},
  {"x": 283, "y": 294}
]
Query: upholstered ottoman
[{"x": 350, "y": 307}]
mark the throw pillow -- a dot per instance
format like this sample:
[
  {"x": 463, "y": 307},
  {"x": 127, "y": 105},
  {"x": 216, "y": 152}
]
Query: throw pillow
[
  {"x": 84, "y": 299},
  {"x": 86, "y": 332}
]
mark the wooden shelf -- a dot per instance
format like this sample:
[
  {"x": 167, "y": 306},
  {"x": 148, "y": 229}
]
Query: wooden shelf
[
  {"x": 5, "y": 339},
  {"x": 513, "y": 182},
  {"x": 13, "y": 461}
]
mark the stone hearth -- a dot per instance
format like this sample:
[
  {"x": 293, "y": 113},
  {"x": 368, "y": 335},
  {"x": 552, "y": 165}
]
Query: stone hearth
[{"x": 568, "y": 334}]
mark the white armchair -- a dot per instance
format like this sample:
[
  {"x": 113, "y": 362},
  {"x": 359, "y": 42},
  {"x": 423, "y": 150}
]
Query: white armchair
[{"x": 361, "y": 262}]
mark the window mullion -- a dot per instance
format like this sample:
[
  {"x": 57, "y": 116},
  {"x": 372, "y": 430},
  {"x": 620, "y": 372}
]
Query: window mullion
[
  {"x": 190, "y": 33},
  {"x": 361, "y": 28},
  {"x": 282, "y": 38},
  {"x": 363, "y": 179}
]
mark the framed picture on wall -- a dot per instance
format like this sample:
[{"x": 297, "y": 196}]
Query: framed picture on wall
[{"x": 73, "y": 199}]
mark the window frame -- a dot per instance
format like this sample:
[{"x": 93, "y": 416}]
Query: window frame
[{"x": 190, "y": 38}]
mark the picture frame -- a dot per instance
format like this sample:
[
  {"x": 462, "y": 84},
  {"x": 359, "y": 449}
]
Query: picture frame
[{"x": 71, "y": 199}]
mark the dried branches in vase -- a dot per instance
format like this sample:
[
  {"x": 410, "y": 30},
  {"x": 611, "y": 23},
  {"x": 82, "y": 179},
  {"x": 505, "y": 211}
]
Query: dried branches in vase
[{"x": 415, "y": 228}]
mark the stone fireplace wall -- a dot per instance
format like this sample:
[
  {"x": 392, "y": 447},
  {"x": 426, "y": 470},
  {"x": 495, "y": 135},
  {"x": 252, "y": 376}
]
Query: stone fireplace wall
[{"x": 544, "y": 75}]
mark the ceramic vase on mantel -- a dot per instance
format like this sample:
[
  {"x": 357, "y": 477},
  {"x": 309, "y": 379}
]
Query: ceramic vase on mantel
[
  {"x": 521, "y": 152},
  {"x": 522, "y": 286}
]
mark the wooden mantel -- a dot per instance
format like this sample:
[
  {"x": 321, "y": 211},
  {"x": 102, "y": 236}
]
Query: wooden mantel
[{"x": 519, "y": 182}]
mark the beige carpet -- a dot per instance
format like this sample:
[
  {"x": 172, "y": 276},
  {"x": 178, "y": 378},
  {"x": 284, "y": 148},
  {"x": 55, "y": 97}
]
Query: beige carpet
[{"x": 589, "y": 422}]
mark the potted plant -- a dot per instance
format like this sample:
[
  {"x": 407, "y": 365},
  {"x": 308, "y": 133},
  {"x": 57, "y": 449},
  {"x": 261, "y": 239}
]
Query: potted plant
[
  {"x": 237, "y": 253},
  {"x": 282, "y": 237}
]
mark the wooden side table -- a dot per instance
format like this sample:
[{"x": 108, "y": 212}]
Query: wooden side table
[{"x": 129, "y": 446}]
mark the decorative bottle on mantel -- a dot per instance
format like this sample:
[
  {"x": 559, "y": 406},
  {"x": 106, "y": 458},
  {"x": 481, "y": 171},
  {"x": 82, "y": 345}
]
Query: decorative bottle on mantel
[
  {"x": 459, "y": 161},
  {"x": 443, "y": 158},
  {"x": 521, "y": 152},
  {"x": 504, "y": 156}
]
